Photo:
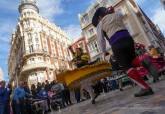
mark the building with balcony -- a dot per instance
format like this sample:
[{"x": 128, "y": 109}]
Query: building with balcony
[
  {"x": 1, "y": 74},
  {"x": 136, "y": 21},
  {"x": 39, "y": 49}
]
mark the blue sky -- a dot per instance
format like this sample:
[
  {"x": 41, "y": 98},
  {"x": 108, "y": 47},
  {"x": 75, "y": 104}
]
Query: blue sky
[{"x": 63, "y": 13}]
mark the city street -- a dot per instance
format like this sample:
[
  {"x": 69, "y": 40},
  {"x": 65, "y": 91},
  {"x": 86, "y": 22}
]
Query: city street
[
  {"x": 55, "y": 53},
  {"x": 117, "y": 102}
]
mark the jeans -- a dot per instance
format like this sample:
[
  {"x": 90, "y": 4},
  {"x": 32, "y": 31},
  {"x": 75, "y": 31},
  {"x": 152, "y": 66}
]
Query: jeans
[{"x": 2, "y": 109}]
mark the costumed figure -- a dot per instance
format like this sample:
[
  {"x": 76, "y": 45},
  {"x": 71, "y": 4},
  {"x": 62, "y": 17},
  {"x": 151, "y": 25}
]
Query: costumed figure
[
  {"x": 81, "y": 59},
  {"x": 110, "y": 26},
  {"x": 145, "y": 61}
]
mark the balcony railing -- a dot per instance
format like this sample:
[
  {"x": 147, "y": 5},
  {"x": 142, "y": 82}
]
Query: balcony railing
[
  {"x": 35, "y": 66},
  {"x": 27, "y": 53},
  {"x": 83, "y": 25}
]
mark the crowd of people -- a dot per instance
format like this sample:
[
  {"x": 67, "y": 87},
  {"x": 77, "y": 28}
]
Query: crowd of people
[{"x": 16, "y": 101}]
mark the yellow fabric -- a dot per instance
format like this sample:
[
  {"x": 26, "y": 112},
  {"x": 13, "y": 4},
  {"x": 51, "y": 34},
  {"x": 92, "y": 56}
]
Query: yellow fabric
[
  {"x": 74, "y": 77},
  {"x": 83, "y": 57}
]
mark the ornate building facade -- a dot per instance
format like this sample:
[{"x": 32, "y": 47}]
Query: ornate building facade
[
  {"x": 39, "y": 49},
  {"x": 137, "y": 23}
]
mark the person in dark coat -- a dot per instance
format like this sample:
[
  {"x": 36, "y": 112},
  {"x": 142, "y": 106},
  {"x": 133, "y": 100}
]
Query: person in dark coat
[
  {"x": 39, "y": 86},
  {"x": 33, "y": 90},
  {"x": 67, "y": 95},
  {"x": 77, "y": 94},
  {"x": 47, "y": 86},
  {"x": 2, "y": 97}
]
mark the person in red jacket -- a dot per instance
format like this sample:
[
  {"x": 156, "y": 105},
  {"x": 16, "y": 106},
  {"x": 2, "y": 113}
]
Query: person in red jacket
[{"x": 111, "y": 27}]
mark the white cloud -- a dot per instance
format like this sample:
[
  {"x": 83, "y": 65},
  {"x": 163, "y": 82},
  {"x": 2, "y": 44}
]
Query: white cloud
[
  {"x": 74, "y": 31},
  {"x": 50, "y": 8},
  {"x": 159, "y": 18}
]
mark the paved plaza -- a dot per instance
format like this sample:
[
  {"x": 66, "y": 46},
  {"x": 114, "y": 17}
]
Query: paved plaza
[{"x": 117, "y": 102}]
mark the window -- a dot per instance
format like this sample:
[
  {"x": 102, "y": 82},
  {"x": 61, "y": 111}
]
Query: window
[
  {"x": 96, "y": 47},
  {"x": 29, "y": 35},
  {"x": 31, "y": 48},
  {"x": 48, "y": 60},
  {"x": 30, "y": 41},
  {"x": 37, "y": 46},
  {"x": 39, "y": 58},
  {"x": 45, "y": 49},
  {"x": 85, "y": 19},
  {"x": 32, "y": 60},
  {"x": 91, "y": 31},
  {"x": 36, "y": 37},
  {"x": 28, "y": 23},
  {"x": 35, "y": 74}
]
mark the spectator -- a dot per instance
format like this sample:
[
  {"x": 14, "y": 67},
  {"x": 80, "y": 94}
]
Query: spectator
[
  {"x": 2, "y": 97},
  {"x": 105, "y": 85},
  {"x": 77, "y": 94},
  {"x": 67, "y": 95},
  {"x": 8, "y": 92},
  {"x": 26, "y": 88},
  {"x": 43, "y": 94},
  {"x": 18, "y": 101},
  {"x": 47, "y": 85},
  {"x": 39, "y": 86},
  {"x": 26, "y": 102},
  {"x": 62, "y": 93},
  {"x": 33, "y": 90}
]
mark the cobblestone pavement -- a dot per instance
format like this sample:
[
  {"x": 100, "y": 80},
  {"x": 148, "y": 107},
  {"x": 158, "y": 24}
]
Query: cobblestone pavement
[{"x": 117, "y": 102}]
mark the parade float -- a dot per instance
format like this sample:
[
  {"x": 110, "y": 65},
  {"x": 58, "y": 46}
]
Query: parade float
[{"x": 93, "y": 73}]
